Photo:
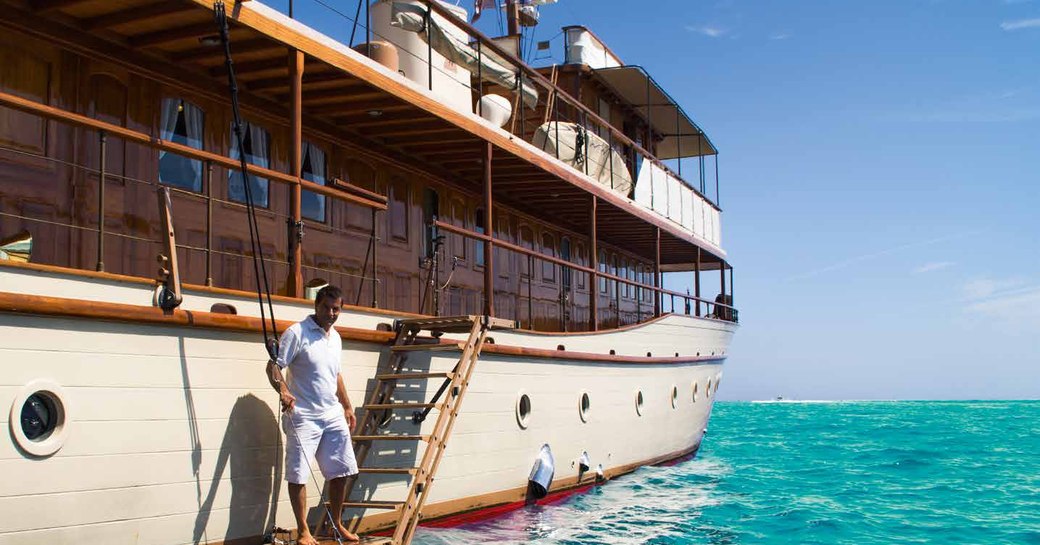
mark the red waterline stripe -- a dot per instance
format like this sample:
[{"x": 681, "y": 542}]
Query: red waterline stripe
[{"x": 499, "y": 510}]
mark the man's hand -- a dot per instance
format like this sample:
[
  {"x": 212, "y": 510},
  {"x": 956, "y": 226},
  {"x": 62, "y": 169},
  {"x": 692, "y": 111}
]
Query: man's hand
[
  {"x": 288, "y": 401},
  {"x": 351, "y": 417}
]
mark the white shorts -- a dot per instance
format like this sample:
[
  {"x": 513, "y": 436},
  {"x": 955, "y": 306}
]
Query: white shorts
[{"x": 326, "y": 439}]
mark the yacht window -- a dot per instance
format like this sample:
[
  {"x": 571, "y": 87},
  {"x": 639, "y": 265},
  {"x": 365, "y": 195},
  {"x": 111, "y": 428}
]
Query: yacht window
[
  {"x": 257, "y": 143},
  {"x": 312, "y": 205},
  {"x": 182, "y": 123}
]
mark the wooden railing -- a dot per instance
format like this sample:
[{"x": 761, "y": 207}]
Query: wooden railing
[{"x": 692, "y": 303}]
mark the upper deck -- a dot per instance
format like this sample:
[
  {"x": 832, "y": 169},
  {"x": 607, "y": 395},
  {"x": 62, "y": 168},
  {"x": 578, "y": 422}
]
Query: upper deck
[
  {"x": 320, "y": 89},
  {"x": 382, "y": 110}
]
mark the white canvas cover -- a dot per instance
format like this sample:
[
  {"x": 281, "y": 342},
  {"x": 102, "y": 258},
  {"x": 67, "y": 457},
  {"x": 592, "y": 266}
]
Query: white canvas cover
[
  {"x": 571, "y": 140},
  {"x": 413, "y": 18}
]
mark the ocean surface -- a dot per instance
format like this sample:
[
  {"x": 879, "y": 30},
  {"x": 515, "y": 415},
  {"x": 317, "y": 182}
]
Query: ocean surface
[{"x": 813, "y": 472}]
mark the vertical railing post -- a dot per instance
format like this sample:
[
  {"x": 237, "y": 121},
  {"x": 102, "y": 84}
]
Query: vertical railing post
[
  {"x": 480, "y": 78},
  {"x": 678, "y": 141},
  {"x": 523, "y": 113},
  {"x": 375, "y": 262},
  {"x": 720, "y": 312},
  {"x": 731, "y": 302},
  {"x": 657, "y": 272},
  {"x": 697, "y": 281},
  {"x": 585, "y": 141},
  {"x": 296, "y": 164},
  {"x": 489, "y": 246},
  {"x": 530, "y": 301},
  {"x": 429, "y": 45},
  {"x": 207, "y": 169},
  {"x": 718, "y": 198},
  {"x": 594, "y": 261},
  {"x": 102, "y": 145},
  {"x": 556, "y": 123},
  {"x": 610, "y": 154}
]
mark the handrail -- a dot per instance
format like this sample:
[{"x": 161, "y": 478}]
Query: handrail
[
  {"x": 18, "y": 103},
  {"x": 564, "y": 263},
  {"x": 486, "y": 41}
]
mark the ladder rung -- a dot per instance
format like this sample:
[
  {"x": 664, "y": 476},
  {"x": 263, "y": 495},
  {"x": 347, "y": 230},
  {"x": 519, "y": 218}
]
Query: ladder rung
[
  {"x": 391, "y": 437},
  {"x": 401, "y": 406},
  {"x": 406, "y": 376},
  {"x": 389, "y": 470},
  {"x": 431, "y": 347},
  {"x": 373, "y": 504}
]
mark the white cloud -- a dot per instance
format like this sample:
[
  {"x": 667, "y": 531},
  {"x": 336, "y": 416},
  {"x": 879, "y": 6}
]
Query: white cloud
[
  {"x": 984, "y": 288},
  {"x": 780, "y": 36},
  {"x": 1020, "y": 24},
  {"x": 1018, "y": 306},
  {"x": 874, "y": 255},
  {"x": 709, "y": 31},
  {"x": 934, "y": 266}
]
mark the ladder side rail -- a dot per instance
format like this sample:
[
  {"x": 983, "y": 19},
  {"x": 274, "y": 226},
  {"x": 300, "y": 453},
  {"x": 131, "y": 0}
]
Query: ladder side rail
[{"x": 418, "y": 492}]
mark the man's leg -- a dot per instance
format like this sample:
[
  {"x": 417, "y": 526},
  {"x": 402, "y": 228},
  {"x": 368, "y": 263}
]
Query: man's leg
[
  {"x": 336, "y": 458},
  {"x": 302, "y": 438},
  {"x": 337, "y": 495},
  {"x": 298, "y": 499}
]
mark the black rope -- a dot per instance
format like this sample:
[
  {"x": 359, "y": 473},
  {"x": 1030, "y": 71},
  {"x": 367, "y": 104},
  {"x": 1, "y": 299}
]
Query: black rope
[{"x": 259, "y": 267}]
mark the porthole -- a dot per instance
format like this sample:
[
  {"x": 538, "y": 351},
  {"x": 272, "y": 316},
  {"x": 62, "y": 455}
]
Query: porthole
[
  {"x": 584, "y": 404},
  {"x": 523, "y": 410},
  {"x": 639, "y": 402},
  {"x": 39, "y": 418},
  {"x": 707, "y": 391},
  {"x": 675, "y": 397},
  {"x": 718, "y": 380},
  {"x": 695, "y": 392}
]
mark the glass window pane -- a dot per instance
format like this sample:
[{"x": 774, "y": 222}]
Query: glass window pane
[
  {"x": 182, "y": 123},
  {"x": 257, "y": 143}
]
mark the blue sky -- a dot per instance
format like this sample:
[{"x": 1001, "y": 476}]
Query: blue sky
[{"x": 880, "y": 171}]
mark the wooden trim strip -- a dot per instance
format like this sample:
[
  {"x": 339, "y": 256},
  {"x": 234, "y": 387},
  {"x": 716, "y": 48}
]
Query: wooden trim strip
[
  {"x": 18, "y": 103},
  {"x": 117, "y": 312}
]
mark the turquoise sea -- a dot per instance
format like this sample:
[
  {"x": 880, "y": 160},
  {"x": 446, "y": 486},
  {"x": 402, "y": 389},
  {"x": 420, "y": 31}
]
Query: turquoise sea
[{"x": 804, "y": 472}]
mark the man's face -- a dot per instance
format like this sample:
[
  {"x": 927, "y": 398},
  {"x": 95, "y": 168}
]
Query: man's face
[{"x": 326, "y": 311}]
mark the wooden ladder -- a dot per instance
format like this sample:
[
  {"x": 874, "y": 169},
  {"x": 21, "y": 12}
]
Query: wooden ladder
[{"x": 381, "y": 404}]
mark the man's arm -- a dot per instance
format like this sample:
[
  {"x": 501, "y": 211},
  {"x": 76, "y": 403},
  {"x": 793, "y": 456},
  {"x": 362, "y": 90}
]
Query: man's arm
[
  {"x": 344, "y": 399},
  {"x": 274, "y": 376}
]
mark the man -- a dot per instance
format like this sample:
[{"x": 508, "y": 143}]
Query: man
[{"x": 316, "y": 413}]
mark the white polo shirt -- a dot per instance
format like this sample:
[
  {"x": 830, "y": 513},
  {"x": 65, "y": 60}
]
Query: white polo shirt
[{"x": 312, "y": 356}]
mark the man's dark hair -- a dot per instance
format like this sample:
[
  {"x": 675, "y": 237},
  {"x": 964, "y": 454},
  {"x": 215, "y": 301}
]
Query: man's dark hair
[{"x": 330, "y": 291}]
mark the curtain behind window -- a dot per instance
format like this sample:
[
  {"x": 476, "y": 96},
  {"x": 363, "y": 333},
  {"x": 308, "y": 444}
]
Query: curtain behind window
[
  {"x": 312, "y": 205},
  {"x": 257, "y": 153},
  {"x": 177, "y": 170}
]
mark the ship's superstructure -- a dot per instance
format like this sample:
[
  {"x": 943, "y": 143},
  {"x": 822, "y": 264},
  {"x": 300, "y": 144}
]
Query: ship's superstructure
[{"x": 426, "y": 170}]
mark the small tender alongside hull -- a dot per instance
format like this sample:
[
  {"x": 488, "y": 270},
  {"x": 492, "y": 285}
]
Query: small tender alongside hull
[{"x": 170, "y": 432}]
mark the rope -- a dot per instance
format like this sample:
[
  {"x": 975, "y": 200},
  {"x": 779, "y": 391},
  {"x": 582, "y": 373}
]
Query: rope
[{"x": 259, "y": 268}]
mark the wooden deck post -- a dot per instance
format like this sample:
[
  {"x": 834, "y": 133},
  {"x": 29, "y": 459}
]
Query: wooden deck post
[
  {"x": 594, "y": 262},
  {"x": 489, "y": 245},
  {"x": 657, "y": 271},
  {"x": 295, "y": 284}
]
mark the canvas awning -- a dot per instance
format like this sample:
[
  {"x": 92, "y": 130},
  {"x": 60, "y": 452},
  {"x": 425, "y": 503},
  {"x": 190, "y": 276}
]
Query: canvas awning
[
  {"x": 682, "y": 137},
  {"x": 413, "y": 18}
]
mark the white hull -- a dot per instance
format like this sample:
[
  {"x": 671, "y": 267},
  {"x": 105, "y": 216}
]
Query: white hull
[{"x": 172, "y": 435}]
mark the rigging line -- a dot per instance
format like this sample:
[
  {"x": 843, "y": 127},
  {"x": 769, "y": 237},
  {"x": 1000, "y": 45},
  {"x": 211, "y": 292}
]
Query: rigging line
[
  {"x": 259, "y": 268},
  {"x": 357, "y": 15}
]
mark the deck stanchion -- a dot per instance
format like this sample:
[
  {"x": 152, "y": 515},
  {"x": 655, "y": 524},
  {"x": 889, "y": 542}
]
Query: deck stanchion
[
  {"x": 295, "y": 286},
  {"x": 594, "y": 261},
  {"x": 489, "y": 246},
  {"x": 102, "y": 145},
  {"x": 697, "y": 281},
  {"x": 720, "y": 312},
  {"x": 657, "y": 271},
  {"x": 375, "y": 262},
  {"x": 207, "y": 169}
]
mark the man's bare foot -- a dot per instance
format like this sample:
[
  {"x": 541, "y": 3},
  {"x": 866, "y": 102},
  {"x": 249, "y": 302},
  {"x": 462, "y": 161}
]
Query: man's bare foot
[
  {"x": 347, "y": 535},
  {"x": 306, "y": 539}
]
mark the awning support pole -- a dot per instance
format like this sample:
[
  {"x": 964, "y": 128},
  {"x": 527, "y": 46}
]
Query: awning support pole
[
  {"x": 296, "y": 166},
  {"x": 489, "y": 251},
  {"x": 594, "y": 261}
]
